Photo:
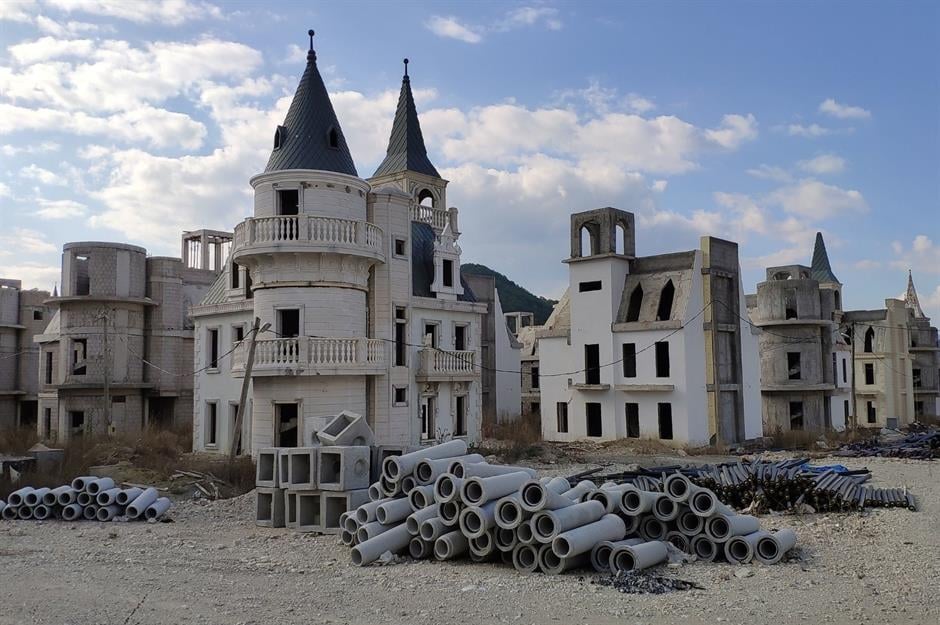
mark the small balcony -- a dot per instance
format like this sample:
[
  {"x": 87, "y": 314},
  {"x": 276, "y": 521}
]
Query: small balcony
[
  {"x": 312, "y": 356},
  {"x": 308, "y": 233},
  {"x": 443, "y": 365},
  {"x": 437, "y": 218}
]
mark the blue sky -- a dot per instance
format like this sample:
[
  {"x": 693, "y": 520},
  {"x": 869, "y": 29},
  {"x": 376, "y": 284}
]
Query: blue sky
[{"x": 759, "y": 122}]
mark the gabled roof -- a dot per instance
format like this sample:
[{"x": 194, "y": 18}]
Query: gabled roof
[
  {"x": 422, "y": 264},
  {"x": 821, "y": 271},
  {"x": 305, "y": 137},
  {"x": 406, "y": 151},
  {"x": 910, "y": 298}
]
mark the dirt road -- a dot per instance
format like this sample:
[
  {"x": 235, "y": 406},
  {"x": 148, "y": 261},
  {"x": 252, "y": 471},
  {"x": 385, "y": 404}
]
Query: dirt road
[{"x": 213, "y": 566}]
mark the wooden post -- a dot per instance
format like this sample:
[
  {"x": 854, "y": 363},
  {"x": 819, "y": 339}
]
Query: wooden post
[{"x": 240, "y": 415}]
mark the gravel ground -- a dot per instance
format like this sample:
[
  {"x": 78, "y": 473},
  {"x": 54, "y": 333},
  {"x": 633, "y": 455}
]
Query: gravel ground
[{"x": 213, "y": 566}]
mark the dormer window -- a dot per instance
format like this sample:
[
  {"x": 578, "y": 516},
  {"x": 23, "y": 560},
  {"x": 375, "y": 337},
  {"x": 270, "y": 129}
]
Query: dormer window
[
  {"x": 332, "y": 138},
  {"x": 279, "y": 137}
]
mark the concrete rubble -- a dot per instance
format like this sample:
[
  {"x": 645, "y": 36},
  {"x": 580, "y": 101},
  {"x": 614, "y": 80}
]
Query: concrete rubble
[{"x": 87, "y": 498}]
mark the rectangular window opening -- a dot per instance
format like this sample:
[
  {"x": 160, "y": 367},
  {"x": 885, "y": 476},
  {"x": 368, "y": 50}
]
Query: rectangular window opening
[
  {"x": 48, "y": 367},
  {"x": 561, "y": 417},
  {"x": 401, "y": 395},
  {"x": 288, "y": 202},
  {"x": 399, "y": 247},
  {"x": 535, "y": 377},
  {"x": 629, "y": 360},
  {"x": 793, "y": 366},
  {"x": 592, "y": 412},
  {"x": 662, "y": 359},
  {"x": 79, "y": 356},
  {"x": 428, "y": 415},
  {"x": 431, "y": 329},
  {"x": 236, "y": 274},
  {"x": 869, "y": 373},
  {"x": 448, "y": 277},
  {"x": 592, "y": 285},
  {"x": 213, "y": 348},
  {"x": 212, "y": 423},
  {"x": 288, "y": 322},
  {"x": 287, "y": 420},
  {"x": 76, "y": 422},
  {"x": 460, "y": 419},
  {"x": 796, "y": 415},
  {"x": 665, "y": 421},
  {"x": 632, "y": 412},
  {"x": 592, "y": 364},
  {"x": 870, "y": 410},
  {"x": 460, "y": 338}
]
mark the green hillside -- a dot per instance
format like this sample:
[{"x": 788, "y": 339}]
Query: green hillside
[{"x": 513, "y": 297}]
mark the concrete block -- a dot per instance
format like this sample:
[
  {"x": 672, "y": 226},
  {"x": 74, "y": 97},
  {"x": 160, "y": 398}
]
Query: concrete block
[
  {"x": 302, "y": 468},
  {"x": 283, "y": 467},
  {"x": 347, "y": 428},
  {"x": 343, "y": 468},
  {"x": 266, "y": 473},
  {"x": 336, "y": 503},
  {"x": 269, "y": 511},
  {"x": 309, "y": 511},
  {"x": 290, "y": 509}
]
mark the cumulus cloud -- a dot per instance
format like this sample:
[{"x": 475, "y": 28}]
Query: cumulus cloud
[
  {"x": 33, "y": 274},
  {"x": 59, "y": 209},
  {"x": 843, "y": 111},
  {"x": 811, "y": 131},
  {"x": 734, "y": 130},
  {"x": 24, "y": 240},
  {"x": 5, "y": 190},
  {"x": 770, "y": 172},
  {"x": 8, "y": 149},
  {"x": 921, "y": 256},
  {"x": 170, "y": 12},
  {"x": 823, "y": 164},
  {"x": 66, "y": 29},
  {"x": 450, "y": 27},
  {"x": 17, "y": 10},
  {"x": 42, "y": 176},
  {"x": 817, "y": 200}
]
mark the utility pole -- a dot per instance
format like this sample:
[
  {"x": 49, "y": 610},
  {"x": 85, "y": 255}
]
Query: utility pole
[
  {"x": 256, "y": 327},
  {"x": 854, "y": 406}
]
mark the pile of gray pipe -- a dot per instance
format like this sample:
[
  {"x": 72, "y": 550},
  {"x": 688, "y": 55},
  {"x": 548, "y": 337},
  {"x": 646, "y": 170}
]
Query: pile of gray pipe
[
  {"x": 441, "y": 502},
  {"x": 86, "y": 498}
]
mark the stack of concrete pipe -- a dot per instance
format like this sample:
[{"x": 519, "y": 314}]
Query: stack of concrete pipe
[
  {"x": 85, "y": 498},
  {"x": 445, "y": 503}
]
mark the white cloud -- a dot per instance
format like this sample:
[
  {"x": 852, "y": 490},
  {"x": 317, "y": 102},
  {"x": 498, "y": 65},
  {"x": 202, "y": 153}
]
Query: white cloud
[
  {"x": 659, "y": 185},
  {"x": 5, "y": 190},
  {"x": 17, "y": 10},
  {"x": 602, "y": 100},
  {"x": 59, "y": 209},
  {"x": 65, "y": 29},
  {"x": 47, "y": 48},
  {"x": 843, "y": 111},
  {"x": 8, "y": 149},
  {"x": 923, "y": 255},
  {"x": 823, "y": 164},
  {"x": 817, "y": 200},
  {"x": 867, "y": 264},
  {"x": 747, "y": 215},
  {"x": 451, "y": 28},
  {"x": 42, "y": 176},
  {"x": 812, "y": 131},
  {"x": 734, "y": 130},
  {"x": 770, "y": 172},
  {"x": 530, "y": 16},
  {"x": 930, "y": 302},
  {"x": 23, "y": 240},
  {"x": 295, "y": 54},
  {"x": 171, "y": 12},
  {"x": 35, "y": 275}
]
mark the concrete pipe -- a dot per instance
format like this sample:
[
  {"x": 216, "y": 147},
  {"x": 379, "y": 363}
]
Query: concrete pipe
[
  {"x": 375, "y": 492},
  {"x": 525, "y": 558},
  {"x": 482, "y": 545},
  {"x": 433, "y": 528},
  {"x": 67, "y": 497},
  {"x": 450, "y": 545},
  {"x": 582, "y": 539},
  {"x": 678, "y": 487},
  {"x": 478, "y": 490},
  {"x": 127, "y": 495},
  {"x": 722, "y": 527},
  {"x": 157, "y": 509},
  {"x": 703, "y": 548},
  {"x": 420, "y": 549},
  {"x": 449, "y": 511},
  {"x": 395, "y": 540},
  {"x": 679, "y": 540},
  {"x": 447, "y": 488},
  {"x": 632, "y": 523},
  {"x": 665, "y": 509},
  {"x": 397, "y": 467},
  {"x": 610, "y": 497},
  {"x": 741, "y": 549},
  {"x": 600, "y": 553},
  {"x": 481, "y": 469},
  {"x": 371, "y": 530},
  {"x": 415, "y": 519},
  {"x": 509, "y": 512},
  {"x": 634, "y": 502},
  {"x": 407, "y": 484},
  {"x": 18, "y": 497},
  {"x": 478, "y": 558},
  {"x": 349, "y": 522},
  {"x": 690, "y": 523},
  {"x": 476, "y": 520},
  {"x": 535, "y": 496},
  {"x": 11, "y": 513},
  {"x": 347, "y": 538},
  {"x": 107, "y": 513},
  {"x": 140, "y": 503},
  {"x": 366, "y": 512},
  {"x": 393, "y": 512},
  {"x": 427, "y": 470},
  {"x": 705, "y": 503},
  {"x": 84, "y": 499},
  {"x": 505, "y": 539},
  {"x": 652, "y": 528},
  {"x": 389, "y": 488},
  {"x": 771, "y": 549},
  {"x": 72, "y": 512},
  {"x": 41, "y": 512},
  {"x": 107, "y": 497},
  {"x": 99, "y": 486},
  {"x": 421, "y": 497},
  {"x": 80, "y": 483},
  {"x": 576, "y": 492},
  {"x": 90, "y": 512},
  {"x": 638, "y": 557},
  {"x": 524, "y": 532},
  {"x": 505, "y": 557},
  {"x": 34, "y": 497},
  {"x": 24, "y": 513},
  {"x": 52, "y": 497},
  {"x": 551, "y": 564},
  {"x": 547, "y": 524}
]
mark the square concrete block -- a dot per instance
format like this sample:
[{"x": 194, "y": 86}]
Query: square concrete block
[
  {"x": 269, "y": 511},
  {"x": 309, "y": 511},
  {"x": 283, "y": 467},
  {"x": 302, "y": 468},
  {"x": 343, "y": 468},
  {"x": 347, "y": 428},
  {"x": 381, "y": 452},
  {"x": 335, "y": 504},
  {"x": 290, "y": 509},
  {"x": 266, "y": 471}
]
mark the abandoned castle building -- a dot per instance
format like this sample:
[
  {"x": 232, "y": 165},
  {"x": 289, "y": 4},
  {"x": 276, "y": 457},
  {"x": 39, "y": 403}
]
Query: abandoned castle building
[
  {"x": 648, "y": 347},
  {"x": 23, "y": 315},
  {"x": 358, "y": 285}
]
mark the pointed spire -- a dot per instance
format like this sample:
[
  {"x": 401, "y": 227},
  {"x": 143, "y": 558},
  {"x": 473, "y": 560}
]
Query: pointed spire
[
  {"x": 820, "y": 270},
  {"x": 311, "y": 137},
  {"x": 406, "y": 151},
  {"x": 910, "y": 298},
  {"x": 55, "y": 290}
]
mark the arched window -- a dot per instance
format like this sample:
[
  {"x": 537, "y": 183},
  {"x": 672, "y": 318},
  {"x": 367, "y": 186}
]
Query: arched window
[
  {"x": 587, "y": 242},
  {"x": 838, "y": 300},
  {"x": 666, "y": 296},
  {"x": 425, "y": 198},
  {"x": 869, "y": 340},
  {"x": 279, "y": 137},
  {"x": 636, "y": 302},
  {"x": 782, "y": 275},
  {"x": 333, "y": 138},
  {"x": 621, "y": 239}
]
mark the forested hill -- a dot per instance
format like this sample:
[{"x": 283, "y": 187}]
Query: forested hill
[{"x": 512, "y": 296}]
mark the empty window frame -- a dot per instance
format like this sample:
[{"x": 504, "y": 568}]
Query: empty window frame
[
  {"x": 401, "y": 395},
  {"x": 79, "y": 356},
  {"x": 286, "y": 424},
  {"x": 869, "y": 373},
  {"x": 632, "y": 414},
  {"x": 664, "y": 414},
  {"x": 535, "y": 408},
  {"x": 37, "y": 315},
  {"x": 561, "y": 417},
  {"x": 593, "y": 418},
  {"x": 76, "y": 422},
  {"x": 535, "y": 377},
  {"x": 666, "y": 297},
  {"x": 917, "y": 378},
  {"x": 662, "y": 359},
  {"x": 288, "y": 322},
  {"x": 212, "y": 423},
  {"x": 47, "y": 367},
  {"x": 636, "y": 303},
  {"x": 238, "y": 334},
  {"x": 870, "y": 411},
  {"x": 592, "y": 364},
  {"x": 47, "y": 422},
  {"x": 400, "y": 247},
  {"x": 428, "y": 415},
  {"x": 431, "y": 329},
  {"x": 592, "y": 285},
  {"x": 212, "y": 341},
  {"x": 460, "y": 337},
  {"x": 845, "y": 373},
  {"x": 236, "y": 274},
  {"x": 448, "y": 268},
  {"x": 845, "y": 410},
  {"x": 460, "y": 415},
  {"x": 790, "y": 310},
  {"x": 288, "y": 203},
  {"x": 796, "y": 415},
  {"x": 401, "y": 332},
  {"x": 869, "y": 340},
  {"x": 629, "y": 360},
  {"x": 794, "y": 370}
]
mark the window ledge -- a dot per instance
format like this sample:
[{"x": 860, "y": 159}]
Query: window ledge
[{"x": 213, "y": 370}]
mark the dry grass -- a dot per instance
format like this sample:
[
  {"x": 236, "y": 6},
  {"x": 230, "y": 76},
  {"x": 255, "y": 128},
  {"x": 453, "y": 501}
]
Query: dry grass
[{"x": 513, "y": 441}]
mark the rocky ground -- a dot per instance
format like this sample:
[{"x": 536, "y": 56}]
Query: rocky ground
[{"x": 213, "y": 566}]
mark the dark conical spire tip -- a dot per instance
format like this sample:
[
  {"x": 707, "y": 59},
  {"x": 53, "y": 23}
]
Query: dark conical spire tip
[
  {"x": 311, "y": 55},
  {"x": 405, "y": 61}
]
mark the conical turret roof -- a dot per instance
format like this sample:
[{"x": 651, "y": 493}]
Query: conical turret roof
[
  {"x": 820, "y": 269},
  {"x": 910, "y": 298}
]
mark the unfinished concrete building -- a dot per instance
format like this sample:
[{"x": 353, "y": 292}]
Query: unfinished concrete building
[
  {"x": 653, "y": 347},
  {"x": 805, "y": 368},
  {"x": 116, "y": 356},
  {"x": 528, "y": 335},
  {"x": 925, "y": 353},
  {"x": 23, "y": 314}
]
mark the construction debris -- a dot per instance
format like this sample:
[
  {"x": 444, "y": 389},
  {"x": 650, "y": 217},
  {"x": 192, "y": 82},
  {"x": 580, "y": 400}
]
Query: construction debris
[
  {"x": 644, "y": 583},
  {"x": 506, "y": 513},
  {"x": 87, "y": 497},
  {"x": 915, "y": 446}
]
